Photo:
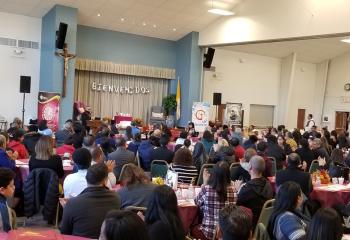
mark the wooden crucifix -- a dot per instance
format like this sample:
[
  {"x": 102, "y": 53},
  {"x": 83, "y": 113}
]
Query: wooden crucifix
[{"x": 66, "y": 57}]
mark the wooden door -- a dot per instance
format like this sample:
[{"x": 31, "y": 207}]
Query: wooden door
[
  {"x": 341, "y": 121},
  {"x": 221, "y": 112},
  {"x": 301, "y": 118}
]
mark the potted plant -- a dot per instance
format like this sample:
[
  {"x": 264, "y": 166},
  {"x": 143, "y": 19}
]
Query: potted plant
[{"x": 169, "y": 105}]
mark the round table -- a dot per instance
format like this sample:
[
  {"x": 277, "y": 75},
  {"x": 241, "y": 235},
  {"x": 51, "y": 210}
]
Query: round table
[{"x": 330, "y": 195}]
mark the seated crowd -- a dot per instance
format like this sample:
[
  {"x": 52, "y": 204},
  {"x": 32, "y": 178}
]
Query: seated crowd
[{"x": 110, "y": 194}]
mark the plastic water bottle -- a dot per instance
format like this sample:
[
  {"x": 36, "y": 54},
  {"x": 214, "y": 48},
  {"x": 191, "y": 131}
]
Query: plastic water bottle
[{"x": 190, "y": 193}]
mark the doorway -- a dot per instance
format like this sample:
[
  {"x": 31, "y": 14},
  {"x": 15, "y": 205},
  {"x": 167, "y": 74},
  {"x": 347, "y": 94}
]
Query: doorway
[
  {"x": 341, "y": 121},
  {"x": 301, "y": 118}
]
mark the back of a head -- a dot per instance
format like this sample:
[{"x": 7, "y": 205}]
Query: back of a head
[
  {"x": 235, "y": 223},
  {"x": 16, "y": 134},
  {"x": 304, "y": 143},
  {"x": 208, "y": 136},
  {"x": 337, "y": 156},
  {"x": 69, "y": 141},
  {"x": 220, "y": 179},
  {"x": 88, "y": 141},
  {"x": 293, "y": 160},
  {"x": 317, "y": 142},
  {"x": 253, "y": 138},
  {"x": 123, "y": 225},
  {"x": 77, "y": 127},
  {"x": 97, "y": 174},
  {"x": 326, "y": 224},
  {"x": 133, "y": 174},
  {"x": 235, "y": 142},
  {"x": 272, "y": 139},
  {"x": 257, "y": 164},
  {"x": 183, "y": 134},
  {"x": 120, "y": 142},
  {"x": 187, "y": 143},
  {"x": 162, "y": 206},
  {"x": 248, "y": 154},
  {"x": 137, "y": 137},
  {"x": 183, "y": 157},
  {"x": 164, "y": 140},
  {"x": 68, "y": 125},
  {"x": 43, "y": 148},
  {"x": 42, "y": 125},
  {"x": 261, "y": 146},
  {"x": 3, "y": 141},
  {"x": 82, "y": 158}
]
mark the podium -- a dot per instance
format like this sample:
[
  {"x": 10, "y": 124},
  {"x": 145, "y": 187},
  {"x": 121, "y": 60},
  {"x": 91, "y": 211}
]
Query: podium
[{"x": 94, "y": 125}]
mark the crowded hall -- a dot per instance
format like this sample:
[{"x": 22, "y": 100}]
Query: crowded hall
[{"x": 174, "y": 120}]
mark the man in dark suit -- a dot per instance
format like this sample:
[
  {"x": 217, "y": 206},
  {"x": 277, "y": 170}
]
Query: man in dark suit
[
  {"x": 121, "y": 156},
  {"x": 273, "y": 150},
  {"x": 162, "y": 152},
  {"x": 241, "y": 172},
  {"x": 295, "y": 174}
]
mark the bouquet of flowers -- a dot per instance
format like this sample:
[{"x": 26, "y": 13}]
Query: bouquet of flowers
[
  {"x": 158, "y": 181},
  {"x": 137, "y": 122},
  {"x": 322, "y": 175}
]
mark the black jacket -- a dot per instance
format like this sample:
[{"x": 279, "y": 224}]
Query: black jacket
[
  {"x": 41, "y": 188},
  {"x": 306, "y": 154},
  {"x": 322, "y": 152},
  {"x": 162, "y": 153},
  {"x": 254, "y": 194},
  {"x": 295, "y": 175},
  {"x": 83, "y": 215},
  {"x": 273, "y": 150}
]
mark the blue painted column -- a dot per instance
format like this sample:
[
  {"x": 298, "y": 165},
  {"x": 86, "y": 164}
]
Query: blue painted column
[
  {"x": 188, "y": 69},
  {"x": 51, "y": 66}
]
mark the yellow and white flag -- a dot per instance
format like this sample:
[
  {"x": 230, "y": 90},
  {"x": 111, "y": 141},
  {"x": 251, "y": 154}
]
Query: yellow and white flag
[{"x": 178, "y": 100}]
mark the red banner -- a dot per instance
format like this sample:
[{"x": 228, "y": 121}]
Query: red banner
[{"x": 49, "y": 108}]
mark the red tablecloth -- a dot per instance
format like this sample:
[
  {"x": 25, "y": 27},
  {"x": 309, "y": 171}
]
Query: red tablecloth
[
  {"x": 23, "y": 168},
  {"x": 37, "y": 233},
  {"x": 330, "y": 198},
  {"x": 189, "y": 216},
  {"x": 119, "y": 118}
]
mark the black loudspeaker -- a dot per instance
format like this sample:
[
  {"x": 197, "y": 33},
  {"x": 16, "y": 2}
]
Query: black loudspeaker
[
  {"x": 24, "y": 86},
  {"x": 216, "y": 98},
  {"x": 208, "y": 57},
  {"x": 61, "y": 35}
]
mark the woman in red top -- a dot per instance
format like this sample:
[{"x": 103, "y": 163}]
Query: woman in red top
[
  {"x": 16, "y": 138},
  {"x": 67, "y": 147}
]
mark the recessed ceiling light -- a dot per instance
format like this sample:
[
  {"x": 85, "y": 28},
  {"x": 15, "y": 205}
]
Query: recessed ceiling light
[
  {"x": 98, "y": 14},
  {"x": 122, "y": 19},
  {"x": 346, "y": 40},
  {"x": 154, "y": 25},
  {"x": 221, "y": 12},
  {"x": 144, "y": 24},
  {"x": 174, "y": 29}
]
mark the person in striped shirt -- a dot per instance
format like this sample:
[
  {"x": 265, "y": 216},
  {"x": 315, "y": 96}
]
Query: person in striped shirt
[{"x": 183, "y": 165}]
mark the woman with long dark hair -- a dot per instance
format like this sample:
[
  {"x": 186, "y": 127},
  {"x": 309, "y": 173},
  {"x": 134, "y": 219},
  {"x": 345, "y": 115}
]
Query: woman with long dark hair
[
  {"x": 326, "y": 224},
  {"x": 286, "y": 221},
  {"x": 162, "y": 215},
  {"x": 216, "y": 193}
]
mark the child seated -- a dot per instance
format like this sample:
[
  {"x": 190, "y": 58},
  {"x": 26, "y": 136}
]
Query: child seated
[{"x": 7, "y": 189}]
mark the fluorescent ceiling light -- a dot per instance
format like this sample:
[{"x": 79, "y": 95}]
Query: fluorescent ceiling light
[
  {"x": 346, "y": 40},
  {"x": 221, "y": 12}
]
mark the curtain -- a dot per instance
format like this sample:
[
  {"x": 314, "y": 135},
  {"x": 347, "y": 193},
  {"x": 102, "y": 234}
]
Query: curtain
[
  {"x": 108, "y": 103},
  {"x": 124, "y": 69}
]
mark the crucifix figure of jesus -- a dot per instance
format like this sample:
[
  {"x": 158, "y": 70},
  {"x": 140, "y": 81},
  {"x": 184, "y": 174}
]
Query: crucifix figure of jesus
[{"x": 66, "y": 57}]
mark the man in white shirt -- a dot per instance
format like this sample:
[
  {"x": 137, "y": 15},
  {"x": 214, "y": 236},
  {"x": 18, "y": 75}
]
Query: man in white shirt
[
  {"x": 75, "y": 183},
  {"x": 310, "y": 123}
]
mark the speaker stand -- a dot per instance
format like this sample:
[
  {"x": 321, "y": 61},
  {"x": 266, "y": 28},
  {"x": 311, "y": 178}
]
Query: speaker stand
[
  {"x": 216, "y": 114},
  {"x": 23, "y": 110}
]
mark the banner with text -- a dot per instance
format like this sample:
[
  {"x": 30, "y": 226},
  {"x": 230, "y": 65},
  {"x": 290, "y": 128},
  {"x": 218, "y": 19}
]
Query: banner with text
[
  {"x": 49, "y": 108},
  {"x": 200, "y": 115}
]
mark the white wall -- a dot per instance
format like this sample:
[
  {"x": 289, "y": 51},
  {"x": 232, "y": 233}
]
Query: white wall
[
  {"x": 11, "y": 68},
  {"x": 338, "y": 76},
  {"x": 254, "y": 79},
  {"x": 303, "y": 91},
  {"x": 243, "y": 78},
  {"x": 275, "y": 19}
]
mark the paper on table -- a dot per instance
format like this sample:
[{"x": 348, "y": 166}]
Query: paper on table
[
  {"x": 334, "y": 187},
  {"x": 185, "y": 203},
  {"x": 18, "y": 162},
  {"x": 346, "y": 237}
]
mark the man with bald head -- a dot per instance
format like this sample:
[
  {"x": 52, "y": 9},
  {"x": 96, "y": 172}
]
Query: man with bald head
[
  {"x": 294, "y": 173},
  {"x": 257, "y": 191}
]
